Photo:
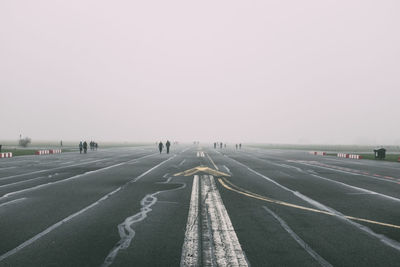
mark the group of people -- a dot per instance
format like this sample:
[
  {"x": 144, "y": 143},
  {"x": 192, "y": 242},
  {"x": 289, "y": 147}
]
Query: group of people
[
  {"x": 220, "y": 144},
  {"x": 161, "y": 146},
  {"x": 83, "y": 146}
]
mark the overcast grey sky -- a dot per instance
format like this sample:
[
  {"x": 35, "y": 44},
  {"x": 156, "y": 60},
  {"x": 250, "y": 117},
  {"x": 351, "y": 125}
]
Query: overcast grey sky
[{"x": 307, "y": 71}]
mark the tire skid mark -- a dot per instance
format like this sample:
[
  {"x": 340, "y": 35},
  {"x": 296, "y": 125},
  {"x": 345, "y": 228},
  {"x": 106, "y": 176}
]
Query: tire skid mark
[{"x": 126, "y": 229}]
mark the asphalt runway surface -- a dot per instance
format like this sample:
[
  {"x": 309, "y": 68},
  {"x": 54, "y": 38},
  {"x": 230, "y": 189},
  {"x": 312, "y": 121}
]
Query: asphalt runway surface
[{"x": 198, "y": 206}]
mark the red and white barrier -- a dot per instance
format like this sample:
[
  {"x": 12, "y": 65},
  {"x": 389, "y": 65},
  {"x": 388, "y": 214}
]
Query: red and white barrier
[
  {"x": 349, "y": 156},
  {"x": 318, "y": 153},
  {"x": 42, "y": 152},
  {"x": 55, "y": 151},
  {"x": 6, "y": 155}
]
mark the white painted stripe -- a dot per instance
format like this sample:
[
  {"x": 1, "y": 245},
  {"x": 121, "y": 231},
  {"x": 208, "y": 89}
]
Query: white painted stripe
[
  {"x": 190, "y": 248},
  {"x": 227, "y": 249},
  {"x": 58, "y": 224},
  {"x": 183, "y": 161},
  {"x": 365, "y": 191},
  {"x": 75, "y": 177},
  {"x": 21, "y": 182},
  {"x": 227, "y": 169},
  {"x": 12, "y": 202},
  {"x": 300, "y": 241},
  {"x": 213, "y": 163},
  {"x": 385, "y": 240}
]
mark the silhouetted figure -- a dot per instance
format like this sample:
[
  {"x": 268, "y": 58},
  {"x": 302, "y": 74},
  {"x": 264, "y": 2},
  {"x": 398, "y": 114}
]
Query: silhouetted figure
[
  {"x": 240, "y": 146},
  {"x": 220, "y": 145},
  {"x": 96, "y": 145},
  {"x": 61, "y": 143},
  {"x": 160, "y": 146},
  {"x": 167, "y": 144},
  {"x": 80, "y": 147},
  {"x": 236, "y": 146},
  {"x": 84, "y": 147},
  {"x": 215, "y": 145}
]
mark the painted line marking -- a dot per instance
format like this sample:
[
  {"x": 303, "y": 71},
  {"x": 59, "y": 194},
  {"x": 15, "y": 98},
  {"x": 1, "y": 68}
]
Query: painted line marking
[
  {"x": 12, "y": 202},
  {"x": 300, "y": 241},
  {"x": 213, "y": 163},
  {"x": 70, "y": 178},
  {"x": 216, "y": 237},
  {"x": 70, "y": 217},
  {"x": 183, "y": 161},
  {"x": 190, "y": 249},
  {"x": 227, "y": 169},
  {"x": 329, "y": 211}
]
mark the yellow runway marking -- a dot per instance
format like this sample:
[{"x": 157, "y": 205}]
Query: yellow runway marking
[
  {"x": 205, "y": 169},
  {"x": 228, "y": 185}
]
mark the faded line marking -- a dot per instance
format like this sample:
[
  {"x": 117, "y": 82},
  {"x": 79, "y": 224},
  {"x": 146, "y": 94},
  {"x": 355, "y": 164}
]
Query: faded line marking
[
  {"x": 227, "y": 169},
  {"x": 213, "y": 163},
  {"x": 365, "y": 191},
  {"x": 183, "y": 161},
  {"x": 12, "y": 202},
  {"x": 70, "y": 178},
  {"x": 300, "y": 241},
  {"x": 321, "y": 209},
  {"x": 58, "y": 224}
]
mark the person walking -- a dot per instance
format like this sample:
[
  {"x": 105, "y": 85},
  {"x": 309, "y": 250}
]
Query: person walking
[
  {"x": 80, "y": 147},
  {"x": 85, "y": 147},
  {"x": 160, "y": 146},
  {"x": 167, "y": 144}
]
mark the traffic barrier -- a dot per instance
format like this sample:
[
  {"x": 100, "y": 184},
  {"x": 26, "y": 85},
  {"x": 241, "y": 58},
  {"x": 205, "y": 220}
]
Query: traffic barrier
[
  {"x": 349, "y": 156},
  {"x": 42, "y": 152},
  {"x": 318, "y": 153},
  {"x": 55, "y": 151},
  {"x": 6, "y": 155}
]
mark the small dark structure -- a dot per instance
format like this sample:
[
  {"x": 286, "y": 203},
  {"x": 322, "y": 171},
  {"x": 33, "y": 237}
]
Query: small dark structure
[{"x": 380, "y": 153}]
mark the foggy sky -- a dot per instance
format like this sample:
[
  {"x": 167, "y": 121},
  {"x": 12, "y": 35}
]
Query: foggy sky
[{"x": 306, "y": 71}]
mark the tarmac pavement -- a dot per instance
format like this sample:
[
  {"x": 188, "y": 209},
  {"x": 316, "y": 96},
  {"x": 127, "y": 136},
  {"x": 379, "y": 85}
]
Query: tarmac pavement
[{"x": 198, "y": 206}]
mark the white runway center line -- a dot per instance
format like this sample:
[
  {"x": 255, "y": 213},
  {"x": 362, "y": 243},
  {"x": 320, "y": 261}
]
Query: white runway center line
[{"x": 210, "y": 224}]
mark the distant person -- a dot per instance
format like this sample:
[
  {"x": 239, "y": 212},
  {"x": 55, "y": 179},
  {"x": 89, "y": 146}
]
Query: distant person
[
  {"x": 84, "y": 147},
  {"x": 215, "y": 145},
  {"x": 236, "y": 146},
  {"x": 160, "y": 146},
  {"x": 61, "y": 143},
  {"x": 80, "y": 147},
  {"x": 96, "y": 145},
  {"x": 240, "y": 146},
  {"x": 220, "y": 145},
  {"x": 167, "y": 144},
  {"x": 224, "y": 145}
]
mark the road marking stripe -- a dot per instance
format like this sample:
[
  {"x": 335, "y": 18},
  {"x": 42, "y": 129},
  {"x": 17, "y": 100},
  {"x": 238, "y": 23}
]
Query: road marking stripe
[
  {"x": 71, "y": 178},
  {"x": 300, "y": 241},
  {"x": 213, "y": 163},
  {"x": 12, "y": 201},
  {"x": 230, "y": 186},
  {"x": 219, "y": 243},
  {"x": 58, "y": 224},
  {"x": 190, "y": 249},
  {"x": 183, "y": 161}
]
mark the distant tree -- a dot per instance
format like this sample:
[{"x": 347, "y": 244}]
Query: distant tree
[{"x": 24, "y": 142}]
